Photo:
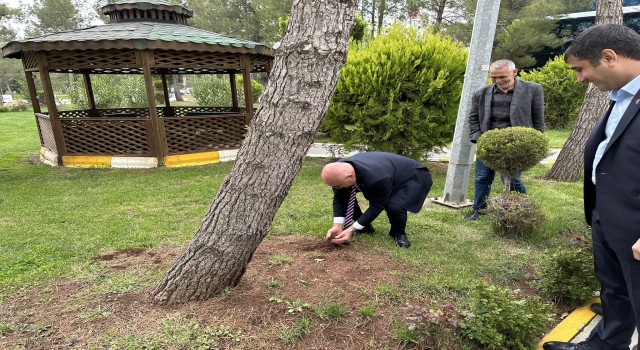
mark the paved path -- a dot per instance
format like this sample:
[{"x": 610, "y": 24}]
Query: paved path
[{"x": 336, "y": 151}]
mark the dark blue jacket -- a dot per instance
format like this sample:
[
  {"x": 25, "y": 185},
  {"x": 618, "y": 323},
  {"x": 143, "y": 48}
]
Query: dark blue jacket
[{"x": 385, "y": 178}]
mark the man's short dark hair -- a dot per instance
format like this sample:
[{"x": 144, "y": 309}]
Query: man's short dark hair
[{"x": 589, "y": 44}]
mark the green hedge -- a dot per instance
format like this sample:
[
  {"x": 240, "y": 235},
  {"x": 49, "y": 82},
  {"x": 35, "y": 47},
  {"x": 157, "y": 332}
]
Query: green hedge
[
  {"x": 398, "y": 93},
  {"x": 563, "y": 95}
]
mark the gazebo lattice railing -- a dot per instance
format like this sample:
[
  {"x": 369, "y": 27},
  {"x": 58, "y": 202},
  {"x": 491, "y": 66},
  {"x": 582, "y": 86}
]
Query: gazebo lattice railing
[{"x": 147, "y": 38}]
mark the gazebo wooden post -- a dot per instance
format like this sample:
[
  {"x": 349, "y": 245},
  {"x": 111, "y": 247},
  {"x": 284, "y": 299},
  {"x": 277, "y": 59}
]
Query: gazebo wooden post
[
  {"x": 93, "y": 111},
  {"x": 32, "y": 92},
  {"x": 50, "y": 100},
  {"x": 245, "y": 66},
  {"x": 165, "y": 88},
  {"x": 157, "y": 145},
  {"x": 234, "y": 91}
]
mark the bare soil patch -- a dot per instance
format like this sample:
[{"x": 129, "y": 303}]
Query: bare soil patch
[{"x": 69, "y": 314}]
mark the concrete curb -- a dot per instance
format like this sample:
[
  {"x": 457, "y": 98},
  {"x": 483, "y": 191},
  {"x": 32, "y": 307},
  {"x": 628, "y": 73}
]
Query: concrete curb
[{"x": 572, "y": 325}]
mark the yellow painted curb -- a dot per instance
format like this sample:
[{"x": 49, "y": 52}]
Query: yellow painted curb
[
  {"x": 571, "y": 325},
  {"x": 87, "y": 161},
  {"x": 192, "y": 159}
]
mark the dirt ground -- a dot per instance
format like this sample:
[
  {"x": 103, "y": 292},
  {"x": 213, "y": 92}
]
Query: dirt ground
[{"x": 68, "y": 314}]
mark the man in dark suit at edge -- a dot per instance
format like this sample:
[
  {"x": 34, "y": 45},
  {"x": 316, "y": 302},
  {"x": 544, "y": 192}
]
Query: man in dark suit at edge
[
  {"x": 608, "y": 56},
  {"x": 388, "y": 181},
  {"x": 507, "y": 102}
]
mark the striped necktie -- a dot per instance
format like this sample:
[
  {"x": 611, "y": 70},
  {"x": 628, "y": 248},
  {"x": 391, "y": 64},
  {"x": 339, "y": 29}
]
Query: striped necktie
[{"x": 348, "y": 218}]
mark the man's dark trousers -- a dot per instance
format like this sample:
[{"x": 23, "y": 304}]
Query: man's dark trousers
[
  {"x": 617, "y": 283},
  {"x": 482, "y": 186}
]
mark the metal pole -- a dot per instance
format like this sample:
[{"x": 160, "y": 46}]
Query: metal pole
[{"x": 461, "y": 158}]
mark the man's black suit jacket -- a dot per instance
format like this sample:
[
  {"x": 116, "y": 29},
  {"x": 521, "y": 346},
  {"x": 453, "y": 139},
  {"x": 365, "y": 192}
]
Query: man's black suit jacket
[
  {"x": 383, "y": 178},
  {"x": 616, "y": 193}
]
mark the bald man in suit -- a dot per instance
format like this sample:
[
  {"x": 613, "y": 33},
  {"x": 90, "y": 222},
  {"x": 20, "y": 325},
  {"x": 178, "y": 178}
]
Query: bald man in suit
[{"x": 389, "y": 182}]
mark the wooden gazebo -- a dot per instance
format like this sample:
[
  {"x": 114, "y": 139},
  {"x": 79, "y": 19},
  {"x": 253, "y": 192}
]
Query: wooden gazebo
[{"x": 148, "y": 37}]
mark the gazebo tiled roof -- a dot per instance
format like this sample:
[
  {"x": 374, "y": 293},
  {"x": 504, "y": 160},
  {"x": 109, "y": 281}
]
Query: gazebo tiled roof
[{"x": 135, "y": 35}]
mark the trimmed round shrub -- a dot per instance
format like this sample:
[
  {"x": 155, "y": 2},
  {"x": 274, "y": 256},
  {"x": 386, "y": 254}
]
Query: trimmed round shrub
[
  {"x": 398, "y": 93},
  {"x": 515, "y": 215},
  {"x": 563, "y": 94},
  {"x": 566, "y": 273},
  {"x": 501, "y": 319},
  {"x": 512, "y": 150}
]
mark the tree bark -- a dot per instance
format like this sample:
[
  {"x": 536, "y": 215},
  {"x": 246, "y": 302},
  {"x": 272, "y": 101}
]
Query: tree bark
[
  {"x": 305, "y": 73},
  {"x": 175, "y": 84},
  {"x": 570, "y": 161}
]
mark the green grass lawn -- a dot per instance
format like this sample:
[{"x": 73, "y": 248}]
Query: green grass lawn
[
  {"x": 557, "y": 137},
  {"x": 55, "y": 220}
]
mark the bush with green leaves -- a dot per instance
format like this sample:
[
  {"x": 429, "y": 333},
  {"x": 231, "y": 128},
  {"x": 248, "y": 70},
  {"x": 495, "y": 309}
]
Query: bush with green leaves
[
  {"x": 398, "y": 93},
  {"x": 20, "y": 106},
  {"x": 515, "y": 215},
  {"x": 215, "y": 90},
  {"x": 501, "y": 319},
  {"x": 512, "y": 150},
  {"x": 566, "y": 272},
  {"x": 563, "y": 94},
  {"x": 110, "y": 91}
]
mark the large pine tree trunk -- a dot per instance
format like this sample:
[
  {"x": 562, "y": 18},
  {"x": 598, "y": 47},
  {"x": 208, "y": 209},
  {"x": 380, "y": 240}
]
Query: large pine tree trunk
[
  {"x": 570, "y": 162},
  {"x": 305, "y": 73}
]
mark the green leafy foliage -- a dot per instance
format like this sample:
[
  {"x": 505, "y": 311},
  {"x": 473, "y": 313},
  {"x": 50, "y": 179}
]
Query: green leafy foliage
[
  {"x": 499, "y": 318},
  {"x": 563, "y": 94},
  {"x": 398, "y": 93},
  {"x": 515, "y": 215},
  {"x": 214, "y": 90},
  {"x": 110, "y": 91},
  {"x": 512, "y": 150},
  {"x": 15, "y": 107},
  {"x": 566, "y": 272}
]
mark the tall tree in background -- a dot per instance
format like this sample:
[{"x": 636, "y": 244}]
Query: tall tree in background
[
  {"x": 379, "y": 13},
  {"x": 50, "y": 16},
  {"x": 441, "y": 14},
  {"x": 11, "y": 73},
  {"x": 7, "y": 31},
  {"x": 524, "y": 26},
  {"x": 570, "y": 162},
  {"x": 255, "y": 20},
  {"x": 304, "y": 76}
]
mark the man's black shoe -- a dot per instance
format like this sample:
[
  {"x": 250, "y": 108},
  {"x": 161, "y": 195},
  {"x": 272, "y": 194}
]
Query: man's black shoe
[
  {"x": 368, "y": 230},
  {"x": 474, "y": 216},
  {"x": 596, "y": 308},
  {"x": 559, "y": 345},
  {"x": 402, "y": 241}
]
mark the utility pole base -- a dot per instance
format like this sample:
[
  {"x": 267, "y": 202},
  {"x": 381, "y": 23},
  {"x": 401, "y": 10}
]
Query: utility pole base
[{"x": 453, "y": 205}]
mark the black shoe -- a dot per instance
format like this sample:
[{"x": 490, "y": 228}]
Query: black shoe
[
  {"x": 559, "y": 345},
  {"x": 367, "y": 230},
  {"x": 475, "y": 215},
  {"x": 402, "y": 241},
  {"x": 596, "y": 308}
]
